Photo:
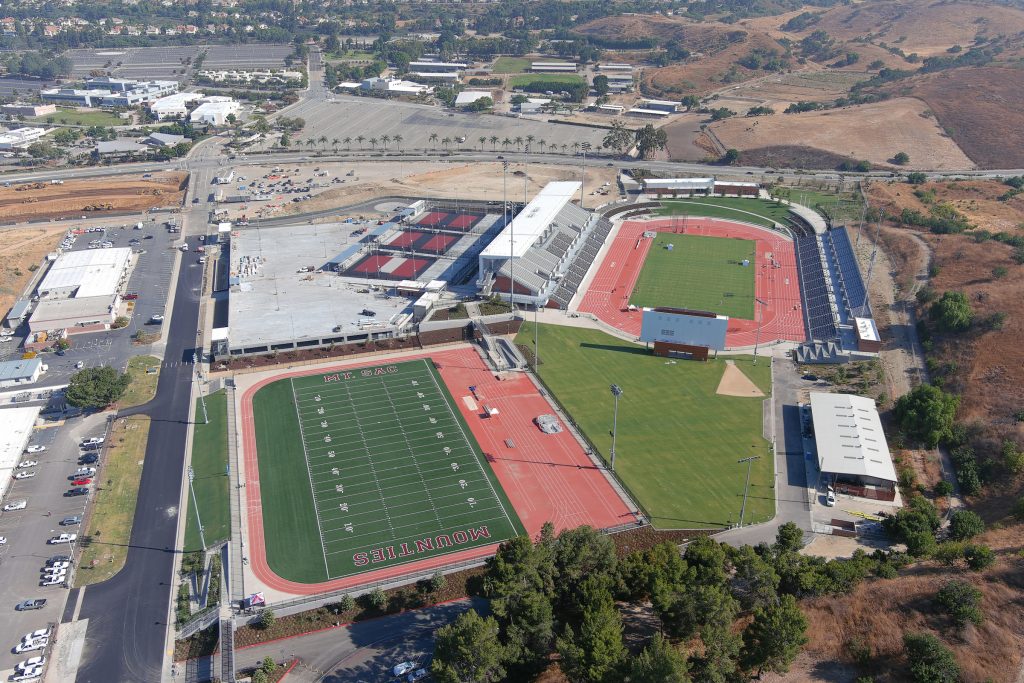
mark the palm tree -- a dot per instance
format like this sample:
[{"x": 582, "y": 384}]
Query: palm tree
[
  {"x": 360, "y": 139},
  {"x": 542, "y": 143},
  {"x": 575, "y": 147},
  {"x": 310, "y": 142},
  {"x": 519, "y": 142},
  {"x": 446, "y": 141},
  {"x": 373, "y": 143},
  {"x": 433, "y": 139},
  {"x": 494, "y": 142},
  {"x": 529, "y": 141},
  {"x": 348, "y": 142},
  {"x": 323, "y": 140},
  {"x": 385, "y": 139},
  {"x": 505, "y": 143},
  {"x": 482, "y": 139},
  {"x": 564, "y": 147},
  {"x": 398, "y": 141},
  {"x": 334, "y": 144}
]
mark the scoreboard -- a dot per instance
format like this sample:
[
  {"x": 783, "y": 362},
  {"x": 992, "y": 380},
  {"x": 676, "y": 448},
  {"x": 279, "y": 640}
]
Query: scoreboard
[{"x": 683, "y": 327}]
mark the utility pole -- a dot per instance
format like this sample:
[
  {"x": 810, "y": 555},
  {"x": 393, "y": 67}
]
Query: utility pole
[
  {"x": 746, "y": 486},
  {"x": 510, "y": 222},
  {"x": 757, "y": 335},
  {"x": 583, "y": 171},
  {"x": 191, "y": 478},
  {"x": 199, "y": 387},
  {"x": 616, "y": 392}
]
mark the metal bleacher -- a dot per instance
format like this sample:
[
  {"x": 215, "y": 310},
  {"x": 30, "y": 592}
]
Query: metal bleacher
[
  {"x": 838, "y": 241},
  {"x": 819, "y": 297},
  {"x": 581, "y": 263}
]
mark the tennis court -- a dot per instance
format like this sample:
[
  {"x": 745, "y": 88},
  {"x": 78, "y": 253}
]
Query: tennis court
[
  {"x": 699, "y": 273},
  {"x": 370, "y": 468},
  {"x": 386, "y": 267}
]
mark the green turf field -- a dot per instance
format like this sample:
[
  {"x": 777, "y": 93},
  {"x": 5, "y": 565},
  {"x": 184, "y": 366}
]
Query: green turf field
[
  {"x": 678, "y": 441},
  {"x": 368, "y": 469},
  {"x": 209, "y": 461},
  {"x": 511, "y": 65},
  {"x": 757, "y": 211},
  {"x": 552, "y": 79},
  {"x": 700, "y": 273}
]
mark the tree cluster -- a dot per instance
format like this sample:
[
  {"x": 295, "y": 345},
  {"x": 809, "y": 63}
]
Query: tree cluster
[{"x": 96, "y": 387}]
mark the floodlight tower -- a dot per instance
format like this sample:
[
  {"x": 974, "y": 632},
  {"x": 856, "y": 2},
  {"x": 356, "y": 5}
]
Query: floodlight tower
[
  {"x": 616, "y": 393},
  {"x": 757, "y": 335},
  {"x": 746, "y": 486}
]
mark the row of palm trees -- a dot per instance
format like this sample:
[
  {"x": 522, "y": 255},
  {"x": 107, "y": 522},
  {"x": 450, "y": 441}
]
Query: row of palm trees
[{"x": 531, "y": 143}]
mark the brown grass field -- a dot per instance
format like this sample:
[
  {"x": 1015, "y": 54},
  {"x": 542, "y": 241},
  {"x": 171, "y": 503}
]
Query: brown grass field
[
  {"x": 122, "y": 194},
  {"x": 20, "y": 250},
  {"x": 872, "y": 131}
]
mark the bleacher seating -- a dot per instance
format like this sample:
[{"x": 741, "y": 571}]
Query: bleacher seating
[
  {"x": 821, "y": 322},
  {"x": 849, "y": 272}
]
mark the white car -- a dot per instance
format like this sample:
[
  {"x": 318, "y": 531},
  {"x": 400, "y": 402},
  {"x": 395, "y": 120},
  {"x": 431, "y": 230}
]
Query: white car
[
  {"x": 25, "y": 464},
  {"x": 63, "y": 538},
  {"x": 53, "y": 580},
  {"x": 403, "y": 668},
  {"x": 35, "y": 448},
  {"x": 25, "y": 475},
  {"x": 36, "y": 635},
  {"x": 58, "y": 567},
  {"x": 4, "y": 340},
  {"x": 830, "y": 498},
  {"x": 3, "y": 540},
  {"x": 79, "y": 365},
  {"x": 30, "y": 662},
  {"x": 16, "y": 505},
  {"x": 85, "y": 472},
  {"x": 33, "y": 673},
  {"x": 31, "y": 645}
]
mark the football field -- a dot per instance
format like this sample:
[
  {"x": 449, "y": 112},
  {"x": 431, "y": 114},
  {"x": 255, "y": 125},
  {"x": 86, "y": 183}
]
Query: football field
[
  {"x": 699, "y": 273},
  {"x": 369, "y": 468}
]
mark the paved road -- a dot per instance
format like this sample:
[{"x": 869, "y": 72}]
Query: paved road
[{"x": 128, "y": 614}]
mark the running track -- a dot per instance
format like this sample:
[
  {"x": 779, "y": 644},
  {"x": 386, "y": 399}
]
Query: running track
[
  {"x": 547, "y": 477},
  {"x": 607, "y": 297}
]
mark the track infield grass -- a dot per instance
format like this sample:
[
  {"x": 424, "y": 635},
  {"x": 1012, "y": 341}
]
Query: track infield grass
[
  {"x": 678, "y": 441},
  {"x": 700, "y": 273},
  {"x": 209, "y": 462},
  {"x": 363, "y": 472}
]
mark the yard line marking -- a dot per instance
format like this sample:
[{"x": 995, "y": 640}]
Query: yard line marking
[
  {"x": 369, "y": 458},
  {"x": 312, "y": 489}
]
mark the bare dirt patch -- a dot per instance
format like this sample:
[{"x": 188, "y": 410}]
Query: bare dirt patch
[
  {"x": 792, "y": 156},
  {"x": 872, "y": 131},
  {"x": 735, "y": 383},
  {"x": 21, "y": 252},
  {"x": 39, "y": 201}
]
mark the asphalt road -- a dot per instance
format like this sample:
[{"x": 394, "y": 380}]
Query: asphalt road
[{"x": 128, "y": 614}]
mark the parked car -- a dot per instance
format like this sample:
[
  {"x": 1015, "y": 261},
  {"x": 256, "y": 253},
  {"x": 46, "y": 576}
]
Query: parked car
[
  {"x": 84, "y": 472},
  {"x": 26, "y": 605},
  {"x": 57, "y": 567},
  {"x": 25, "y": 464},
  {"x": 31, "y": 645},
  {"x": 63, "y": 538},
  {"x": 830, "y": 498},
  {"x": 416, "y": 675},
  {"x": 79, "y": 365},
  {"x": 58, "y": 558},
  {"x": 16, "y": 505},
  {"x": 92, "y": 441},
  {"x": 25, "y": 475},
  {"x": 403, "y": 668},
  {"x": 36, "y": 635},
  {"x": 35, "y": 448},
  {"x": 78, "y": 491},
  {"x": 130, "y": 296},
  {"x": 30, "y": 662},
  {"x": 156, "y": 318},
  {"x": 71, "y": 521},
  {"x": 81, "y": 482},
  {"x": 31, "y": 674},
  {"x": 3, "y": 540},
  {"x": 88, "y": 459}
]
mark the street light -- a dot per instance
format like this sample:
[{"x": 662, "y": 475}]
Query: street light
[
  {"x": 757, "y": 335},
  {"x": 746, "y": 486},
  {"x": 199, "y": 386},
  {"x": 191, "y": 478},
  {"x": 616, "y": 392}
]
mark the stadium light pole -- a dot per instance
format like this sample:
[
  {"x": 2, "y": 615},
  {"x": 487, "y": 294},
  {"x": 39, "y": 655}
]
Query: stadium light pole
[
  {"x": 616, "y": 392},
  {"x": 746, "y": 486},
  {"x": 509, "y": 220},
  {"x": 199, "y": 521},
  {"x": 199, "y": 387},
  {"x": 757, "y": 335}
]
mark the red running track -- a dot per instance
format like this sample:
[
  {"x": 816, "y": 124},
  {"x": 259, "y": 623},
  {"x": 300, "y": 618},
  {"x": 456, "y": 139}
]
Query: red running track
[
  {"x": 547, "y": 477},
  {"x": 607, "y": 297}
]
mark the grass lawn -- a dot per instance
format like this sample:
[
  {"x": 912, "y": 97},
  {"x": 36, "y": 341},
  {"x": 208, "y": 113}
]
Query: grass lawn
[
  {"x": 700, "y": 273},
  {"x": 143, "y": 385},
  {"x": 81, "y": 118},
  {"x": 105, "y": 540},
  {"x": 678, "y": 441},
  {"x": 363, "y": 471},
  {"x": 511, "y": 65},
  {"x": 845, "y": 206},
  {"x": 209, "y": 460},
  {"x": 756, "y": 211},
  {"x": 554, "y": 79}
]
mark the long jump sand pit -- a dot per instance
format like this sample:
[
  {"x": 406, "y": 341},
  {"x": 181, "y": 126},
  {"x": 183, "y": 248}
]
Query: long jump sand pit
[
  {"x": 735, "y": 383},
  {"x": 121, "y": 194}
]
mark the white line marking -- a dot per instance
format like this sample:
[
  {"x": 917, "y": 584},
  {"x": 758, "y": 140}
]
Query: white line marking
[{"x": 312, "y": 489}]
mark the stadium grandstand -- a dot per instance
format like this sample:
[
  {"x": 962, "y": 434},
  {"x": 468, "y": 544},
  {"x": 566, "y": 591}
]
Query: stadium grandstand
[
  {"x": 838, "y": 316},
  {"x": 542, "y": 256}
]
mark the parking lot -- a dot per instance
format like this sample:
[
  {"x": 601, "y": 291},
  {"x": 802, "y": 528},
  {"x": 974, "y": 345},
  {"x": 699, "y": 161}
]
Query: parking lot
[
  {"x": 246, "y": 56},
  {"x": 143, "y": 63},
  {"x": 26, "y": 552}
]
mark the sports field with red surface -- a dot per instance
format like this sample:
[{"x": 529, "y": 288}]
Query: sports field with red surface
[
  {"x": 775, "y": 279},
  {"x": 388, "y": 267},
  {"x": 406, "y": 239},
  {"x": 546, "y": 477}
]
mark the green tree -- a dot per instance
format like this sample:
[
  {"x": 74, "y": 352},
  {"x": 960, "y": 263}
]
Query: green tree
[
  {"x": 1013, "y": 457},
  {"x": 731, "y": 156},
  {"x": 926, "y": 414},
  {"x": 917, "y": 178},
  {"x": 690, "y": 102},
  {"x": 952, "y": 312},
  {"x": 930, "y": 660},
  {"x": 268, "y": 666},
  {"x": 580, "y": 555},
  {"x": 720, "y": 661},
  {"x": 468, "y": 651},
  {"x": 600, "y": 84},
  {"x": 754, "y": 581},
  {"x": 901, "y": 159},
  {"x": 979, "y": 557},
  {"x": 660, "y": 662},
  {"x": 707, "y": 558},
  {"x": 267, "y": 619},
  {"x": 595, "y": 650},
  {"x": 685, "y": 612},
  {"x": 527, "y": 622},
  {"x": 378, "y": 599},
  {"x": 618, "y": 137},
  {"x": 650, "y": 140},
  {"x": 438, "y": 582},
  {"x": 964, "y": 525},
  {"x": 789, "y": 537},
  {"x": 258, "y": 676},
  {"x": 775, "y": 637},
  {"x": 642, "y": 572},
  {"x": 96, "y": 387},
  {"x": 961, "y": 601},
  {"x": 346, "y": 603},
  {"x": 722, "y": 113}
]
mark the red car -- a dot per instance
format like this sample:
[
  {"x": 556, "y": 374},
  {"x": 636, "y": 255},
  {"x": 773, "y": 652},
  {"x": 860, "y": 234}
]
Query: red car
[
  {"x": 131, "y": 296},
  {"x": 81, "y": 482}
]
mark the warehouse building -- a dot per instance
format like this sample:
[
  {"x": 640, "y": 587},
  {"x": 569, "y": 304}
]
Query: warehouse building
[
  {"x": 81, "y": 291},
  {"x": 468, "y": 97},
  {"x": 553, "y": 67},
  {"x": 437, "y": 67},
  {"x": 852, "y": 451},
  {"x": 16, "y": 373},
  {"x": 24, "y": 109}
]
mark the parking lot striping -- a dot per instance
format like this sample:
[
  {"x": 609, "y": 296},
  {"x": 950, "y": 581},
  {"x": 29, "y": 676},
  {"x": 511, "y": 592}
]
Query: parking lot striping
[{"x": 312, "y": 488}]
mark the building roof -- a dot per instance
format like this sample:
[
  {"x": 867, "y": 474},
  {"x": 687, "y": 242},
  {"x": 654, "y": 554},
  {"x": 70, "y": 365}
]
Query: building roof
[
  {"x": 165, "y": 139},
  {"x": 14, "y": 437},
  {"x": 679, "y": 183},
  {"x": 648, "y": 112},
  {"x": 532, "y": 221},
  {"x": 118, "y": 147},
  {"x": 213, "y": 108},
  {"x": 95, "y": 272},
  {"x": 20, "y": 369},
  {"x": 850, "y": 437},
  {"x": 471, "y": 96},
  {"x": 176, "y": 100},
  {"x": 664, "y": 103},
  {"x": 90, "y": 307},
  {"x": 866, "y": 329}
]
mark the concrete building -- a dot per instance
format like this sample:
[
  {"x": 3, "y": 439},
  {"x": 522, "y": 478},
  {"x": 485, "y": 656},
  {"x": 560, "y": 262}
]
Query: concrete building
[
  {"x": 615, "y": 67},
  {"x": 553, "y": 67},
  {"x": 852, "y": 450},
  {"x": 676, "y": 187},
  {"x": 23, "y": 109},
  {"x": 436, "y": 76},
  {"x": 643, "y": 113},
  {"x": 435, "y": 67},
  {"x": 81, "y": 290},
  {"x": 112, "y": 148},
  {"x": 468, "y": 97},
  {"x": 21, "y": 138},
  {"x": 19, "y": 425},
  {"x": 393, "y": 85},
  {"x": 164, "y": 140},
  {"x": 660, "y": 105},
  {"x": 110, "y": 93},
  {"x": 19, "y": 311},
  {"x": 15, "y": 373},
  {"x": 214, "y": 111},
  {"x": 73, "y": 97},
  {"x": 174, "y": 106}
]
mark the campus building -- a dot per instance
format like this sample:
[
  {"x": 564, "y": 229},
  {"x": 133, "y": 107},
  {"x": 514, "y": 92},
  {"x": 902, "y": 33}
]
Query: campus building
[
  {"x": 214, "y": 111},
  {"x": 81, "y": 291}
]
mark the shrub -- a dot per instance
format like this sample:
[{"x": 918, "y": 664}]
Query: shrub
[
  {"x": 943, "y": 489},
  {"x": 267, "y": 619},
  {"x": 917, "y": 178},
  {"x": 119, "y": 322},
  {"x": 901, "y": 158},
  {"x": 952, "y": 312},
  {"x": 930, "y": 660},
  {"x": 961, "y": 601},
  {"x": 964, "y": 525},
  {"x": 378, "y": 599},
  {"x": 979, "y": 557}
]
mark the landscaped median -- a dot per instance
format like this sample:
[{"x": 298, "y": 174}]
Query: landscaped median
[
  {"x": 107, "y": 535},
  {"x": 144, "y": 372},
  {"x": 209, "y": 462}
]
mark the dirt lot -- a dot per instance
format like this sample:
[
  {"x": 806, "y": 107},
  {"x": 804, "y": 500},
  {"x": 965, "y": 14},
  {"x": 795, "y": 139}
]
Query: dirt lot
[
  {"x": 114, "y": 195},
  {"x": 872, "y": 131},
  {"x": 982, "y": 109},
  {"x": 428, "y": 179},
  {"x": 20, "y": 250}
]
